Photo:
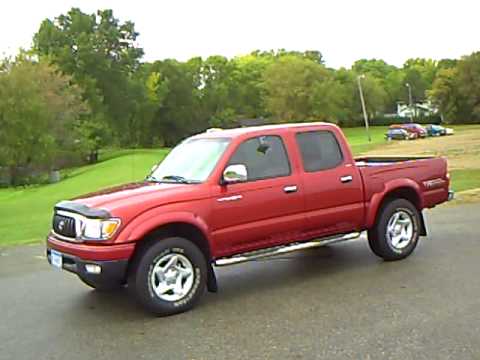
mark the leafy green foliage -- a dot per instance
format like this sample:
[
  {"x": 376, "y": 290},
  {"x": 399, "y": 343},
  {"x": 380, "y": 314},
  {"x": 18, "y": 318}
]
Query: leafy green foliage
[
  {"x": 39, "y": 115},
  {"x": 456, "y": 90},
  {"x": 289, "y": 84},
  {"x": 100, "y": 54}
]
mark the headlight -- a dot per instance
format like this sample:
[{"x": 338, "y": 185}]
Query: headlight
[{"x": 98, "y": 229}]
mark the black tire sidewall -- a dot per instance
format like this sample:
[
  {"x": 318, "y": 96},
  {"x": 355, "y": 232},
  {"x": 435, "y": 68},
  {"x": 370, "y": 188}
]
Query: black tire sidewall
[
  {"x": 140, "y": 281},
  {"x": 382, "y": 244}
]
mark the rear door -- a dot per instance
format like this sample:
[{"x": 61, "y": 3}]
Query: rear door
[
  {"x": 332, "y": 185},
  {"x": 265, "y": 210}
]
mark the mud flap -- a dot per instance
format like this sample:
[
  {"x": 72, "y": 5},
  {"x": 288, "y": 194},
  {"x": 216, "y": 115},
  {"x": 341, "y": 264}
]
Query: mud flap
[
  {"x": 423, "y": 226},
  {"x": 211, "y": 279}
]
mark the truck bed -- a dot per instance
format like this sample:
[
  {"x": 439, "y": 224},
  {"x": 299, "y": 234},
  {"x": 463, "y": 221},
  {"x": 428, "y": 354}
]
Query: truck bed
[{"x": 425, "y": 173}]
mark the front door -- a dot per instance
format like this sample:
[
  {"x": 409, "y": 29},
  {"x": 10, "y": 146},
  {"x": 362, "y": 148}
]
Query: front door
[{"x": 267, "y": 208}]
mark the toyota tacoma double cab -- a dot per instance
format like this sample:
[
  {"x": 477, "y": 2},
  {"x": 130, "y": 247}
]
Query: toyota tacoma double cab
[{"x": 228, "y": 196}]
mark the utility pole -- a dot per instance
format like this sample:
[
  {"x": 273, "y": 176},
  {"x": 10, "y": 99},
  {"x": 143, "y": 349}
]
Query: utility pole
[
  {"x": 410, "y": 101},
  {"x": 365, "y": 116}
]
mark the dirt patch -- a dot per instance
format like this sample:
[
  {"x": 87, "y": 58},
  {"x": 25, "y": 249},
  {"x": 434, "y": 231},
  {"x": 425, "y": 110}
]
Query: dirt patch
[{"x": 462, "y": 149}]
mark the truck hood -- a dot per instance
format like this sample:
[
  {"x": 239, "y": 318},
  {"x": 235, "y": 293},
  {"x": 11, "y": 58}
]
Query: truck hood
[{"x": 128, "y": 200}]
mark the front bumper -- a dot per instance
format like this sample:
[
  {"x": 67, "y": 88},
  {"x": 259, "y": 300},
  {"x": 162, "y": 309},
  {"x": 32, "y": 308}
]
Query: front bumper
[
  {"x": 112, "y": 272},
  {"x": 79, "y": 258}
]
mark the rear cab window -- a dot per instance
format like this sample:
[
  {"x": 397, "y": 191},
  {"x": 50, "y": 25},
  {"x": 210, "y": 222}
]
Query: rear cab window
[
  {"x": 319, "y": 149},
  {"x": 264, "y": 157}
]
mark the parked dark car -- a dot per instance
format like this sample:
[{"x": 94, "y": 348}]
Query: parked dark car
[
  {"x": 438, "y": 130},
  {"x": 397, "y": 133},
  {"x": 435, "y": 130}
]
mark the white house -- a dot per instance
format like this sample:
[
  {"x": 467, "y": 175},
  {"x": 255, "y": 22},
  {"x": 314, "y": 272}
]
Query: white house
[{"x": 417, "y": 109}]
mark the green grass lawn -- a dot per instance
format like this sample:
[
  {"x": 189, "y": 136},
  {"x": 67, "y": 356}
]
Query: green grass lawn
[
  {"x": 465, "y": 179},
  {"x": 25, "y": 213},
  {"x": 358, "y": 140}
]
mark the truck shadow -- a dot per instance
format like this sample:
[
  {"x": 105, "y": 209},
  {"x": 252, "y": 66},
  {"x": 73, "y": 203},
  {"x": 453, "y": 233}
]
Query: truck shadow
[
  {"x": 306, "y": 273},
  {"x": 311, "y": 267}
]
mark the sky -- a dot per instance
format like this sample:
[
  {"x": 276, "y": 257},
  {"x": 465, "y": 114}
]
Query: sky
[{"x": 342, "y": 30}]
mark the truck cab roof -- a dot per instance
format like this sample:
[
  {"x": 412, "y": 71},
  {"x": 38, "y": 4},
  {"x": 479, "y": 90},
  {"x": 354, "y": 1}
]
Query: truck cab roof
[{"x": 254, "y": 130}]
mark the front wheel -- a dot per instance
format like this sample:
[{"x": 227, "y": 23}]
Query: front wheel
[
  {"x": 396, "y": 232},
  {"x": 169, "y": 276}
]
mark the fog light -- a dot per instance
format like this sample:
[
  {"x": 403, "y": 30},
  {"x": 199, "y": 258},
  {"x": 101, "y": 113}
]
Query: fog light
[{"x": 93, "y": 269}]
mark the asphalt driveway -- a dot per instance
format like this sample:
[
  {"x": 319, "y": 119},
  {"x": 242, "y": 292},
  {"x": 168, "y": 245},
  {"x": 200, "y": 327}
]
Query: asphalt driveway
[{"x": 337, "y": 302}]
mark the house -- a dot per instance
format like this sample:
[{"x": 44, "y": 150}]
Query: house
[{"x": 416, "y": 110}]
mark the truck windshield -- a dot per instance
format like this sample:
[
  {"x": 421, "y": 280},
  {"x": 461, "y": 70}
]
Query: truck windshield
[{"x": 191, "y": 161}]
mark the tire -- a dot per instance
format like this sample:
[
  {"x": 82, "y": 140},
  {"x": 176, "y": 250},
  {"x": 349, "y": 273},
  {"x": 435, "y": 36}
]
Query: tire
[
  {"x": 396, "y": 232},
  {"x": 169, "y": 276},
  {"x": 101, "y": 287}
]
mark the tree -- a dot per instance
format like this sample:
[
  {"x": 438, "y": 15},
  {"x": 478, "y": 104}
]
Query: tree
[
  {"x": 376, "y": 68},
  {"x": 331, "y": 101},
  {"x": 289, "y": 85},
  {"x": 220, "y": 88},
  {"x": 251, "y": 92},
  {"x": 419, "y": 73},
  {"x": 456, "y": 90},
  {"x": 469, "y": 85},
  {"x": 444, "y": 93},
  {"x": 181, "y": 112},
  {"x": 101, "y": 55},
  {"x": 373, "y": 91},
  {"x": 39, "y": 112}
]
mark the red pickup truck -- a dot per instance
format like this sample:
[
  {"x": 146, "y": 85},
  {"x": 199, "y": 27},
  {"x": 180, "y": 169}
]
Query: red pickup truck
[{"x": 229, "y": 196}]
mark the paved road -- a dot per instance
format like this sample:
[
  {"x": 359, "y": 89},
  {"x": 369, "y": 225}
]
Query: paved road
[{"x": 338, "y": 302}]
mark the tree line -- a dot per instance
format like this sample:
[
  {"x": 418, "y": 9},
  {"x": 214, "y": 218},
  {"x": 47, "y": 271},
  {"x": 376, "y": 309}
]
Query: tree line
[{"x": 83, "y": 86}]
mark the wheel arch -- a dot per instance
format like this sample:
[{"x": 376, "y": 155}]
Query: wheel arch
[
  {"x": 183, "y": 226},
  {"x": 406, "y": 189},
  {"x": 182, "y": 229}
]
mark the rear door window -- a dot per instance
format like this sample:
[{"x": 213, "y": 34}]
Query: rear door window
[{"x": 320, "y": 150}]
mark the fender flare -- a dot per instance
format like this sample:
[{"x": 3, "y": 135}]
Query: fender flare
[
  {"x": 155, "y": 218},
  {"x": 378, "y": 198}
]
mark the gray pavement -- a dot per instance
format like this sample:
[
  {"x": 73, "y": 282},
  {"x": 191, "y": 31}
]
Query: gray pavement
[{"x": 337, "y": 302}]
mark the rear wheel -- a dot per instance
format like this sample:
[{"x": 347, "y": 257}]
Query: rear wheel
[
  {"x": 169, "y": 276},
  {"x": 396, "y": 233}
]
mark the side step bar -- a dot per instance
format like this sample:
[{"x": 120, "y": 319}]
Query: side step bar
[{"x": 278, "y": 250}]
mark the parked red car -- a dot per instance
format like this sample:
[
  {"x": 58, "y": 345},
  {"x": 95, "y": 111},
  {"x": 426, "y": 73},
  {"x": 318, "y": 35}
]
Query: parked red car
[
  {"x": 417, "y": 129},
  {"x": 225, "y": 197}
]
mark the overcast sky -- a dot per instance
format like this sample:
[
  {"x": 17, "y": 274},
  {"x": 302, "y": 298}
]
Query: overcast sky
[{"x": 342, "y": 30}]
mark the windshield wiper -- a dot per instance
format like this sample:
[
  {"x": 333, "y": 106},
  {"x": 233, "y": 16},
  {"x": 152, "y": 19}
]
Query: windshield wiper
[
  {"x": 176, "y": 178},
  {"x": 172, "y": 179}
]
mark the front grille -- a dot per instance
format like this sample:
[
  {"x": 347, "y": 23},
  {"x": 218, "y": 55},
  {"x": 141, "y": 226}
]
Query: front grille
[{"x": 64, "y": 225}]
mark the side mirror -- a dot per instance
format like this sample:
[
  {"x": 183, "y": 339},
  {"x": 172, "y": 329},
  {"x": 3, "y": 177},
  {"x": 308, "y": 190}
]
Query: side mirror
[{"x": 234, "y": 174}]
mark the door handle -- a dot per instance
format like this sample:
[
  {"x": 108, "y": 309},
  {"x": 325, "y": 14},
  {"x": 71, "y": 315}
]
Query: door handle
[
  {"x": 290, "y": 189},
  {"x": 230, "y": 198},
  {"x": 346, "y": 179}
]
